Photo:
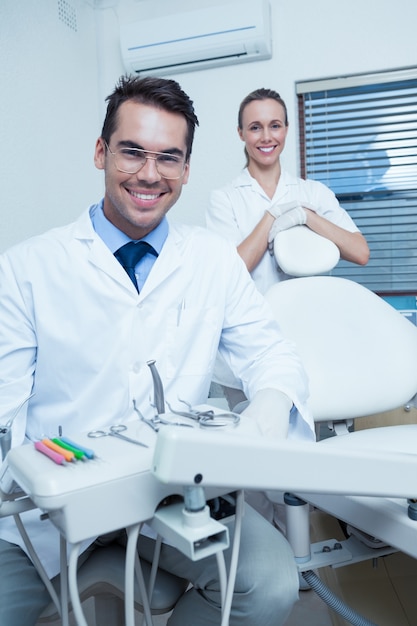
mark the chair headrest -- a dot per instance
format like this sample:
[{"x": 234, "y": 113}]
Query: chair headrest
[{"x": 299, "y": 251}]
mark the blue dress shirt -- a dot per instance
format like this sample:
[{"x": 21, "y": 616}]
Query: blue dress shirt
[{"x": 115, "y": 238}]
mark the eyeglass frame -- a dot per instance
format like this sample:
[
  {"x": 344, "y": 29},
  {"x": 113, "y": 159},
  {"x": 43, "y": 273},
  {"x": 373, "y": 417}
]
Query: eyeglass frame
[{"x": 114, "y": 154}]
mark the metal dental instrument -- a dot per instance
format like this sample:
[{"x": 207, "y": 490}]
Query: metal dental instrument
[
  {"x": 157, "y": 420},
  {"x": 205, "y": 418},
  {"x": 191, "y": 413},
  {"x": 11, "y": 420},
  {"x": 209, "y": 418},
  {"x": 159, "y": 401},
  {"x": 152, "y": 423},
  {"x": 116, "y": 431},
  {"x": 158, "y": 389},
  {"x": 160, "y": 420}
]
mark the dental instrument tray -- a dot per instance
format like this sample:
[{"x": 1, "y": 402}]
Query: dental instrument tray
[{"x": 113, "y": 490}]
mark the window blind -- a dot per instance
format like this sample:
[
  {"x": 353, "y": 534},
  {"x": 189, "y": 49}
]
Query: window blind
[{"x": 358, "y": 136}]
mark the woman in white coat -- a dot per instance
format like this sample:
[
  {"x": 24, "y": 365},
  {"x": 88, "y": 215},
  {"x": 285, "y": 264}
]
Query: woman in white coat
[{"x": 265, "y": 199}]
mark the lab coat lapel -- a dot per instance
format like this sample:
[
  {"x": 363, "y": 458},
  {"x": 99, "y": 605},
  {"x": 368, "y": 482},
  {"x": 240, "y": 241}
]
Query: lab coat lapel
[
  {"x": 283, "y": 188},
  {"x": 281, "y": 191},
  {"x": 97, "y": 252},
  {"x": 104, "y": 260},
  {"x": 168, "y": 261}
]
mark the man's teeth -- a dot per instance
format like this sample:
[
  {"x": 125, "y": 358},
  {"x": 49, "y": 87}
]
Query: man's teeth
[{"x": 144, "y": 196}]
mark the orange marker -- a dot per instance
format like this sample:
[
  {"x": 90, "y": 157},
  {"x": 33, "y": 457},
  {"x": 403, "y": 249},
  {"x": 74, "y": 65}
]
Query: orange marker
[
  {"x": 67, "y": 454},
  {"x": 56, "y": 458}
]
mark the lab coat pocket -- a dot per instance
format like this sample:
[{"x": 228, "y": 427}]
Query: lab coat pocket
[{"x": 192, "y": 340}]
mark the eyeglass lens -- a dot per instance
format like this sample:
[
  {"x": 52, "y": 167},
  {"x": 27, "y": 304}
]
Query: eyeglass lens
[{"x": 131, "y": 160}]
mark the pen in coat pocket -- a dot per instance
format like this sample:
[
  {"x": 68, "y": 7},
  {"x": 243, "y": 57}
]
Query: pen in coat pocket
[{"x": 180, "y": 310}]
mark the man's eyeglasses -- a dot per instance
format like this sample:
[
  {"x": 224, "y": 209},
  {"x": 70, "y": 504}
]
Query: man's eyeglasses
[{"x": 131, "y": 161}]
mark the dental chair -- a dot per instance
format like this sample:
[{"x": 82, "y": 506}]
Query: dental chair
[{"x": 360, "y": 355}]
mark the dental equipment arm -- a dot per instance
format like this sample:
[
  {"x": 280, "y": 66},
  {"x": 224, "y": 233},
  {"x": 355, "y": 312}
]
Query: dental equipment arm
[{"x": 270, "y": 409}]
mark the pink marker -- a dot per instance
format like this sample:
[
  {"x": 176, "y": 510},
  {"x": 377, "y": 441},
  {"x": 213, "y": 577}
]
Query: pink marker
[{"x": 54, "y": 456}]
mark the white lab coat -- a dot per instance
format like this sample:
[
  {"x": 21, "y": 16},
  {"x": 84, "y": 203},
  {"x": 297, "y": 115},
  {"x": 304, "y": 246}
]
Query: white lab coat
[
  {"x": 235, "y": 210},
  {"x": 76, "y": 333}
]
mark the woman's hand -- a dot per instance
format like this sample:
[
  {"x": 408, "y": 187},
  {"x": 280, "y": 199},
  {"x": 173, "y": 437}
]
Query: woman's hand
[{"x": 296, "y": 215}]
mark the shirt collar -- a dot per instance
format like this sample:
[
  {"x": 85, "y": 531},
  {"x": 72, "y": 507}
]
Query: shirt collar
[{"x": 115, "y": 238}]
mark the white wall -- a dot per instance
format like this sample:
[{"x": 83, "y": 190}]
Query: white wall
[
  {"x": 48, "y": 115},
  {"x": 55, "y": 80}
]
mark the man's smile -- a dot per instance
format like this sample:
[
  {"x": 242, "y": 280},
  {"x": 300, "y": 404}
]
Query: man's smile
[{"x": 144, "y": 196}]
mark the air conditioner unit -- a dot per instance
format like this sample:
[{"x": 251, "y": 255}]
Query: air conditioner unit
[{"x": 228, "y": 33}]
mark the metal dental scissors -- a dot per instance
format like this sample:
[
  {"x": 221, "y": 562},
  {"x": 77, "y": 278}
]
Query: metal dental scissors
[{"x": 115, "y": 431}]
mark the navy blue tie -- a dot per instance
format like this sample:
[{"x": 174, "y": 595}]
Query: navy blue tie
[{"x": 130, "y": 254}]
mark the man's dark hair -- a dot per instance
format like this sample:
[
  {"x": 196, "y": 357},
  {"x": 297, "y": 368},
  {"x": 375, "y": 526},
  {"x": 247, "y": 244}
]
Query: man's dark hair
[{"x": 162, "y": 93}]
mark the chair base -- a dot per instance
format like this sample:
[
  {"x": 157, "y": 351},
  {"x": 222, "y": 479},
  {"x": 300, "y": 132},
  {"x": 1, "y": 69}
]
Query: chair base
[{"x": 383, "y": 592}]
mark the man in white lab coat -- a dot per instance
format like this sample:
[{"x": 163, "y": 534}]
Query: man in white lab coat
[{"x": 77, "y": 331}]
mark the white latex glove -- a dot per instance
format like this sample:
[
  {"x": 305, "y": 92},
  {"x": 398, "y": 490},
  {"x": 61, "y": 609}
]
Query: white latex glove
[
  {"x": 276, "y": 210},
  {"x": 295, "y": 217},
  {"x": 271, "y": 409}
]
